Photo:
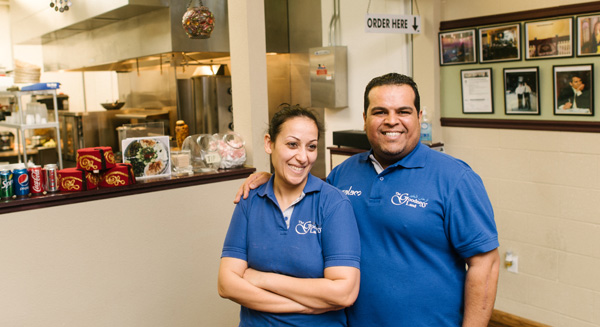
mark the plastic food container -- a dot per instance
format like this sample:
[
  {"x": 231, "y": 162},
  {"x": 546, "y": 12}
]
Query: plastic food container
[
  {"x": 204, "y": 154},
  {"x": 231, "y": 149}
]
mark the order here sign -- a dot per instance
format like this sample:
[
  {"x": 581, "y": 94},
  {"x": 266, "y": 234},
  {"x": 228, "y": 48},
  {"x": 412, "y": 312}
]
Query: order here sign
[{"x": 403, "y": 24}]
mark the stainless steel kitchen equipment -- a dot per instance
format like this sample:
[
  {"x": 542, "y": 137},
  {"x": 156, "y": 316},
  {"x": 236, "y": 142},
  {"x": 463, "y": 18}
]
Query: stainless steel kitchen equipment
[
  {"x": 7, "y": 140},
  {"x": 204, "y": 103},
  {"x": 329, "y": 77}
]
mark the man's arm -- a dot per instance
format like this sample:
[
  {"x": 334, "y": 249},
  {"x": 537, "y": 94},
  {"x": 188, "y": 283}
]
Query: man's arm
[
  {"x": 480, "y": 288},
  {"x": 253, "y": 181}
]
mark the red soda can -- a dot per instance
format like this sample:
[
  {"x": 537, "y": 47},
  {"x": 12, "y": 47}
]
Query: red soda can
[
  {"x": 51, "y": 178},
  {"x": 35, "y": 180}
]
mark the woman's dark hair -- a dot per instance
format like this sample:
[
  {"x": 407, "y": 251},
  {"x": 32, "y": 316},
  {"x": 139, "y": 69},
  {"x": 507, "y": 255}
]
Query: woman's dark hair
[
  {"x": 287, "y": 112},
  {"x": 392, "y": 79}
]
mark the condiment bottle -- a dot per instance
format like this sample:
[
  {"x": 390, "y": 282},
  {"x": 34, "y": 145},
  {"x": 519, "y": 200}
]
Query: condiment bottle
[{"x": 181, "y": 132}]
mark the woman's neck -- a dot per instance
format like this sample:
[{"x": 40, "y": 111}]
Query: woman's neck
[{"x": 286, "y": 194}]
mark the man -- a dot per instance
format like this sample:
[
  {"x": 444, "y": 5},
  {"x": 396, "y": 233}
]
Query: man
[
  {"x": 575, "y": 96},
  {"x": 523, "y": 92},
  {"x": 422, "y": 215}
]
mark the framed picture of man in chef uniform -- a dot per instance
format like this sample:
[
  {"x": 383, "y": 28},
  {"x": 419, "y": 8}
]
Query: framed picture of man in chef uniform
[
  {"x": 574, "y": 90},
  {"x": 521, "y": 91}
]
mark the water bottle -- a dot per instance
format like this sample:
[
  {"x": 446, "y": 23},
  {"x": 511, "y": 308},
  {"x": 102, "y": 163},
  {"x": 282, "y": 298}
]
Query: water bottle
[{"x": 426, "y": 128}]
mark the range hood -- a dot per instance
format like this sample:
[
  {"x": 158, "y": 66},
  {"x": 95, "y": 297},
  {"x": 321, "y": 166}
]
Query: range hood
[
  {"x": 146, "y": 38},
  {"x": 125, "y": 35}
]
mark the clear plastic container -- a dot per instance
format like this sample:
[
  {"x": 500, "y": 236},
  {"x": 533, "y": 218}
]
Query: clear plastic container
[
  {"x": 231, "y": 149},
  {"x": 204, "y": 154}
]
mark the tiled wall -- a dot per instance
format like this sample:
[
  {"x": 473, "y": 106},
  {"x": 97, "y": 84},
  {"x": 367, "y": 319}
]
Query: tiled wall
[{"x": 545, "y": 189}]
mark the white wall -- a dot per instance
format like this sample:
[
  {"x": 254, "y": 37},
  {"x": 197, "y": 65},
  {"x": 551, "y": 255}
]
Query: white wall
[{"x": 369, "y": 55}]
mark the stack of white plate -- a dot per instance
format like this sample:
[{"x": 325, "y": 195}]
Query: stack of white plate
[{"x": 26, "y": 73}]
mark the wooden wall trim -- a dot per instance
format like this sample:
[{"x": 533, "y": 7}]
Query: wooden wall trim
[
  {"x": 566, "y": 10},
  {"x": 536, "y": 125},
  {"x": 503, "y": 319}
]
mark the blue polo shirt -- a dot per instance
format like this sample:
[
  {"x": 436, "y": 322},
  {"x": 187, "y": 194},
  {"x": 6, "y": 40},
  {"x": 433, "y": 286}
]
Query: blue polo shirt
[
  {"x": 418, "y": 220},
  {"x": 322, "y": 233}
]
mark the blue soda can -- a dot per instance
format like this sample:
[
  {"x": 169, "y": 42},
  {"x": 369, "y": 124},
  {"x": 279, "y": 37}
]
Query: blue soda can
[
  {"x": 6, "y": 184},
  {"x": 21, "y": 182}
]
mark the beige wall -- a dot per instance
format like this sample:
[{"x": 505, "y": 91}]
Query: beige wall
[
  {"x": 143, "y": 260},
  {"x": 545, "y": 188}
]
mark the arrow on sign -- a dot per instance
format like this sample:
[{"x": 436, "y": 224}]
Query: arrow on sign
[{"x": 415, "y": 26}]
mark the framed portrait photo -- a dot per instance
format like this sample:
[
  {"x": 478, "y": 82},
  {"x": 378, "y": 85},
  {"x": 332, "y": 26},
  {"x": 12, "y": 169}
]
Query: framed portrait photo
[
  {"x": 574, "y": 90},
  {"x": 521, "y": 91},
  {"x": 549, "y": 38},
  {"x": 588, "y": 35},
  {"x": 500, "y": 43},
  {"x": 457, "y": 47},
  {"x": 476, "y": 87}
]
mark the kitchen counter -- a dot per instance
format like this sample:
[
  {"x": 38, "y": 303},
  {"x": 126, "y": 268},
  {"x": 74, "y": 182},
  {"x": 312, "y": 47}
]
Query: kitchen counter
[{"x": 141, "y": 186}]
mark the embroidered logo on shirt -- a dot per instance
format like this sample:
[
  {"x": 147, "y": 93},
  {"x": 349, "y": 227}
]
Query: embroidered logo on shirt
[
  {"x": 350, "y": 192},
  {"x": 408, "y": 200},
  {"x": 306, "y": 228}
]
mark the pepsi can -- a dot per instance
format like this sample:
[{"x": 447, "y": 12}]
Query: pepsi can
[
  {"x": 35, "y": 180},
  {"x": 6, "y": 184},
  {"x": 21, "y": 182}
]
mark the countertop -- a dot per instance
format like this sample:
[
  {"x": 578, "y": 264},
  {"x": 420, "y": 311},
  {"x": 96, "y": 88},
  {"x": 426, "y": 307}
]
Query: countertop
[{"x": 141, "y": 186}]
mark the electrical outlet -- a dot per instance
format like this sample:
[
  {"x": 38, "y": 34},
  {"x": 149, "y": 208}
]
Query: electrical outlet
[{"x": 511, "y": 262}]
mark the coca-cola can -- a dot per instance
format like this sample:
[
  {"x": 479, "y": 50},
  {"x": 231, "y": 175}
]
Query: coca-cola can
[
  {"x": 51, "y": 178},
  {"x": 35, "y": 180}
]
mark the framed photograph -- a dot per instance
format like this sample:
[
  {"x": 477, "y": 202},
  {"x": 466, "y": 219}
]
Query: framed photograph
[
  {"x": 574, "y": 90},
  {"x": 521, "y": 91},
  {"x": 149, "y": 156},
  {"x": 457, "y": 47},
  {"x": 477, "y": 91},
  {"x": 500, "y": 43},
  {"x": 588, "y": 35},
  {"x": 549, "y": 38}
]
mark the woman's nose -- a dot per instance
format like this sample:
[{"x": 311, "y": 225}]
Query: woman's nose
[{"x": 301, "y": 155}]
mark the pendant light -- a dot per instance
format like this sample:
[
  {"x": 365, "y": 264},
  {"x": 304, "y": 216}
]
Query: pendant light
[{"x": 198, "y": 22}]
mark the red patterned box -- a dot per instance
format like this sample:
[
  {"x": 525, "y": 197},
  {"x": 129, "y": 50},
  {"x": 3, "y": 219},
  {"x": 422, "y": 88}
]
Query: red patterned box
[
  {"x": 119, "y": 175},
  {"x": 75, "y": 180},
  {"x": 95, "y": 159}
]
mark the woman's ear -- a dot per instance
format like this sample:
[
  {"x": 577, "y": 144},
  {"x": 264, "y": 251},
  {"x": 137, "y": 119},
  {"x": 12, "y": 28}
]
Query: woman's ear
[{"x": 268, "y": 144}]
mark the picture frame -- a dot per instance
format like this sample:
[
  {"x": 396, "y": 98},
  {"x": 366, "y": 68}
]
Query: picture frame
[
  {"x": 521, "y": 91},
  {"x": 500, "y": 43},
  {"x": 588, "y": 35},
  {"x": 566, "y": 80},
  {"x": 149, "y": 156},
  {"x": 476, "y": 87},
  {"x": 457, "y": 47},
  {"x": 549, "y": 38}
]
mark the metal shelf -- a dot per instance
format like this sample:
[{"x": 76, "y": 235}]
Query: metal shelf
[{"x": 21, "y": 128}]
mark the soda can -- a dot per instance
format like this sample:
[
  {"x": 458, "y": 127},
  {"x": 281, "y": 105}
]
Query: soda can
[
  {"x": 6, "y": 182},
  {"x": 36, "y": 186},
  {"x": 21, "y": 182},
  {"x": 51, "y": 178}
]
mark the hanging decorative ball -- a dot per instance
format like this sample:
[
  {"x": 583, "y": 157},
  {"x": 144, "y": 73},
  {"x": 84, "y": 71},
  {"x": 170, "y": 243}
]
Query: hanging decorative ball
[
  {"x": 61, "y": 5},
  {"x": 198, "y": 22}
]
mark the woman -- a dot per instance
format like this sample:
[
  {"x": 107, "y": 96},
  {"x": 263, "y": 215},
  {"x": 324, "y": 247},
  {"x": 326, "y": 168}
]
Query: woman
[{"x": 291, "y": 255}]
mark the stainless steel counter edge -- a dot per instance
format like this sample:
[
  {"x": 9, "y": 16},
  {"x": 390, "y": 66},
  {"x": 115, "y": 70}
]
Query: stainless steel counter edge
[{"x": 143, "y": 186}]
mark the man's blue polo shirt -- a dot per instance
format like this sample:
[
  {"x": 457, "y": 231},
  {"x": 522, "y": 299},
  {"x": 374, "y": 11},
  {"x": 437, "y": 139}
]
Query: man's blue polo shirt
[{"x": 418, "y": 221}]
